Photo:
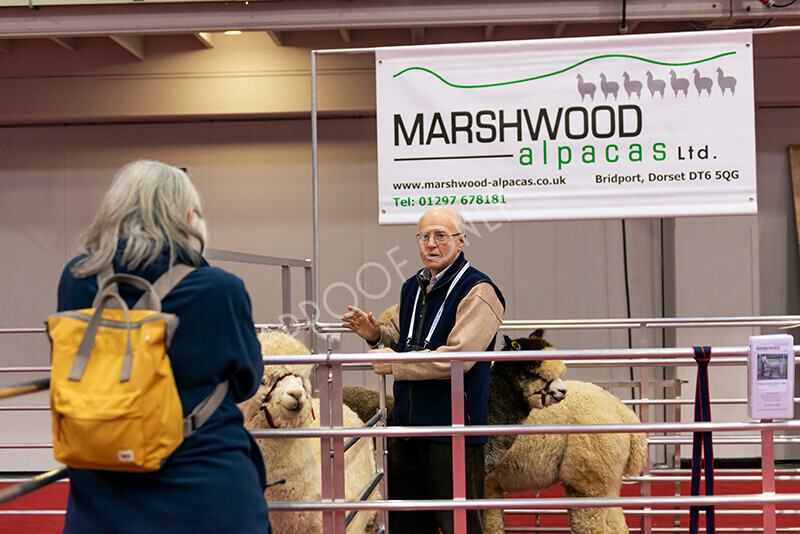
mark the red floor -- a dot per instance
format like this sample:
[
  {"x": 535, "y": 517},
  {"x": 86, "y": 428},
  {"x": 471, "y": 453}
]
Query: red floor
[
  {"x": 54, "y": 497},
  {"x": 51, "y": 497},
  {"x": 721, "y": 487}
]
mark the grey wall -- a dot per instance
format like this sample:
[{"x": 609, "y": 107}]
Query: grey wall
[{"x": 255, "y": 179}]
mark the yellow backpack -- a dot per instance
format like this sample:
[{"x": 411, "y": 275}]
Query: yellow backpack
[{"x": 113, "y": 398}]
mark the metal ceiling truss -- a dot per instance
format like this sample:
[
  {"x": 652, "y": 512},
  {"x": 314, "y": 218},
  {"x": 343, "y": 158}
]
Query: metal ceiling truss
[
  {"x": 56, "y": 19},
  {"x": 127, "y": 21}
]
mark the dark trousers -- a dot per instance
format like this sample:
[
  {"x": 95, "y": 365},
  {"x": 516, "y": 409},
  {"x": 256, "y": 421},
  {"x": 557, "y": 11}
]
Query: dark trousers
[{"x": 422, "y": 470}]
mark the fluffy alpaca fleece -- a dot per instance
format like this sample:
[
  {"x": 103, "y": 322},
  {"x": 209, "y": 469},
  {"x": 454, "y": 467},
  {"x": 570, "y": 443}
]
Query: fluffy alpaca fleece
[
  {"x": 366, "y": 402},
  {"x": 297, "y": 461},
  {"x": 521, "y": 382},
  {"x": 515, "y": 388},
  {"x": 588, "y": 465}
]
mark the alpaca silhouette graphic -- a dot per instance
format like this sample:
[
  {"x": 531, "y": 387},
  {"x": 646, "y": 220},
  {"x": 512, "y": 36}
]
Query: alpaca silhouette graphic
[
  {"x": 631, "y": 86},
  {"x": 586, "y": 88},
  {"x": 608, "y": 88},
  {"x": 655, "y": 85},
  {"x": 725, "y": 82},
  {"x": 678, "y": 84},
  {"x": 702, "y": 83}
]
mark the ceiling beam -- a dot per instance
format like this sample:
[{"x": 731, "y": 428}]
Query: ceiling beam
[
  {"x": 134, "y": 44},
  {"x": 191, "y": 17},
  {"x": 559, "y": 31},
  {"x": 487, "y": 32},
  {"x": 206, "y": 39},
  {"x": 277, "y": 37},
  {"x": 417, "y": 35},
  {"x": 631, "y": 26},
  {"x": 69, "y": 43},
  {"x": 345, "y": 35}
]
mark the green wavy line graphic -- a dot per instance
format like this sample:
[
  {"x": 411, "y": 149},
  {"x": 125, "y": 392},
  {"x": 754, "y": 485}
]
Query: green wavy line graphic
[{"x": 579, "y": 63}]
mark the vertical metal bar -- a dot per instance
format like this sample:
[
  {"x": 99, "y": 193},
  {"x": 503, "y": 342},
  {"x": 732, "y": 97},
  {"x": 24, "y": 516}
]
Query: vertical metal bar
[
  {"x": 314, "y": 177},
  {"x": 286, "y": 285},
  {"x": 676, "y": 455},
  {"x": 337, "y": 420},
  {"x": 768, "y": 477},
  {"x": 382, "y": 452},
  {"x": 459, "y": 455},
  {"x": 324, "y": 378},
  {"x": 334, "y": 343},
  {"x": 310, "y": 310},
  {"x": 645, "y": 488}
]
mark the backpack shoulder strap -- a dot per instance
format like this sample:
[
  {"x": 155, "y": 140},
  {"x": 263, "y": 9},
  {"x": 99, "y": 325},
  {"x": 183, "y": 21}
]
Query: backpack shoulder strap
[
  {"x": 203, "y": 411},
  {"x": 104, "y": 275},
  {"x": 167, "y": 282},
  {"x": 107, "y": 281},
  {"x": 162, "y": 286},
  {"x": 102, "y": 278}
]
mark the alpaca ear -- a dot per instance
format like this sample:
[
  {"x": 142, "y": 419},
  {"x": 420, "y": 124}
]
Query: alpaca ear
[
  {"x": 507, "y": 341},
  {"x": 539, "y": 332}
]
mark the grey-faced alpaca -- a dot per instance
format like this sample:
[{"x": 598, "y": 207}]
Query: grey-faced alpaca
[
  {"x": 284, "y": 400},
  {"x": 515, "y": 388},
  {"x": 588, "y": 465}
]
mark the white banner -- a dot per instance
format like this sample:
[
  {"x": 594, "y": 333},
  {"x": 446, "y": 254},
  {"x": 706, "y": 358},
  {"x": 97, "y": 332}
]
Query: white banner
[{"x": 590, "y": 128}]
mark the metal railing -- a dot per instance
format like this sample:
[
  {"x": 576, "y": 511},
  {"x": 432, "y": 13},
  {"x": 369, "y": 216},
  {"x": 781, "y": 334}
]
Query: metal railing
[{"x": 331, "y": 366}]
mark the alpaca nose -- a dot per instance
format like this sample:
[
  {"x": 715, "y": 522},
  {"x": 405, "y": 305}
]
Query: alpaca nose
[
  {"x": 558, "y": 390},
  {"x": 293, "y": 399}
]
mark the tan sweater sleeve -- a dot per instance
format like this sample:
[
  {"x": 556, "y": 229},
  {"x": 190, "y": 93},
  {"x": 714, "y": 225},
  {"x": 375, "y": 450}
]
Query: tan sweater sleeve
[{"x": 478, "y": 318}]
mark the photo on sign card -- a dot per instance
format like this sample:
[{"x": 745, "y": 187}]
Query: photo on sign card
[{"x": 772, "y": 366}]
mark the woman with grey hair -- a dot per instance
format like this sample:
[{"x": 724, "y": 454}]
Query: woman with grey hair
[{"x": 149, "y": 220}]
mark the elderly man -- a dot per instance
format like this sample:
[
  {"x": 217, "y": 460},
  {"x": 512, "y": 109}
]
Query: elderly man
[{"x": 447, "y": 306}]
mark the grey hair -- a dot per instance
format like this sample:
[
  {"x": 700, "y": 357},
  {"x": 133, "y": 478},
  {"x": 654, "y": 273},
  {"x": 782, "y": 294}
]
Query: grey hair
[
  {"x": 459, "y": 223},
  {"x": 147, "y": 208}
]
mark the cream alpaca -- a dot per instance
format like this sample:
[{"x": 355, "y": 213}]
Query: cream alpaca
[
  {"x": 588, "y": 465},
  {"x": 297, "y": 461}
]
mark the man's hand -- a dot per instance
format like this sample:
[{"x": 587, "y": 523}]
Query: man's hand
[
  {"x": 362, "y": 323},
  {"x": 381, "y": 368}
]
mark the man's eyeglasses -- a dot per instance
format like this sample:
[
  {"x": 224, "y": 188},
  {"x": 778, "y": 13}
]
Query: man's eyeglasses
[{"x": 438, "y": 237}]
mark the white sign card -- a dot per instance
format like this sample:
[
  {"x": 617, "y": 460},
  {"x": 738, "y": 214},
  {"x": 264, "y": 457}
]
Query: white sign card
[
  {"x": 770, "y": 377},
  {"x": 589, "y": 128}
]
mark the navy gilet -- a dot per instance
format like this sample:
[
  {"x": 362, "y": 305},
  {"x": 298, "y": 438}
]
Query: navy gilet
[{"x": 427, "y": 402}]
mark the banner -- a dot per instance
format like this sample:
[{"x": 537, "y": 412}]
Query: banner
[{"x": 590, "y": 128}]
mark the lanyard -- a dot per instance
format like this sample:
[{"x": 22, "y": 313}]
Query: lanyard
[
  {"x": 701, "y": 442},
  {"x": 438, "y": 314}
]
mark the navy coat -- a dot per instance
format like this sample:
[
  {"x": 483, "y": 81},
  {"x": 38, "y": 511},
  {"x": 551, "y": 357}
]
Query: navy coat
[
  {"x": 427, "y": 402},
  {"x": 214, "y": 482}
]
